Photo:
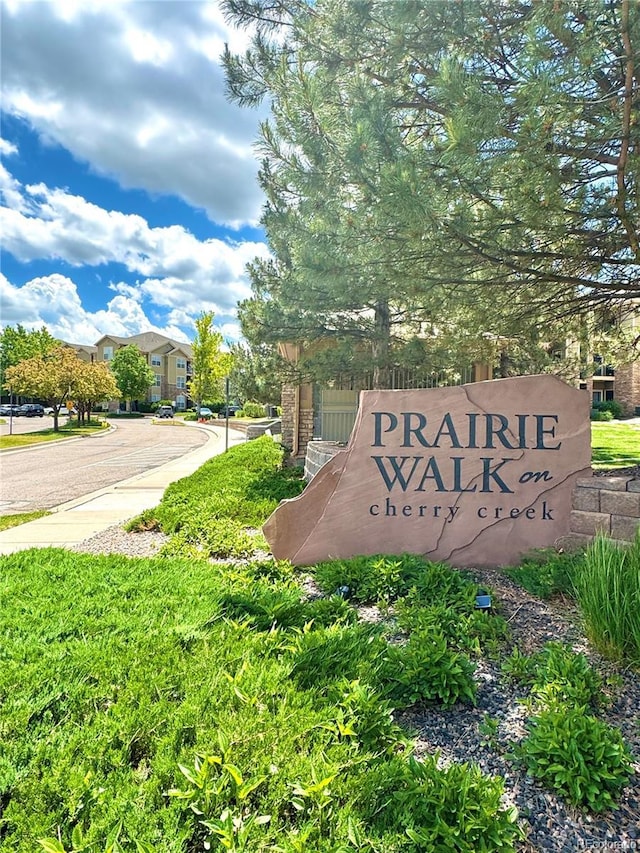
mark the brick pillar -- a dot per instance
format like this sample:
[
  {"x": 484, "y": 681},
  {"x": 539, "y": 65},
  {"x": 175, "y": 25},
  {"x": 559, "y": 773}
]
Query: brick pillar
[
  {"x": 305, "y": 422},
  {"x": 627, "y": 387},
  {"x": 288, "y": 402}
]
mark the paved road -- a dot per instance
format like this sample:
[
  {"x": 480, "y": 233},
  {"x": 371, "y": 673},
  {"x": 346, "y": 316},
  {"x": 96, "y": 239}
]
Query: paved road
[
  {"x": 22, "y": 425},
  {"x": 47, "y": 475}
]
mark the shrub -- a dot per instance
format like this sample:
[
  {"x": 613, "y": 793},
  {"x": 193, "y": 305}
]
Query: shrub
[
  {"x": 124, "y": 415},
  {"x": 456, "y": 808},
  {"x": 464, "y": 626},
  {"x": 425, "y": 669},
  {"x": 610, "y": 406},
  {"x": 364, "y": 715},
  {"x": 576, "y": 755},
  {"x": 598, "y": 415},
  {"x": 546, "y": 572},
  {"x": 556, "y": 674},
  {"x": 607, "y": 586},
  {"x": 386, "y": 578},
  {"x": 253, "y": 410}
]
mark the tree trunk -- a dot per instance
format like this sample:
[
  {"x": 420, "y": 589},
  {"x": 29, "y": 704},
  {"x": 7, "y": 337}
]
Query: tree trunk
[{"x": 381, "y": 346}]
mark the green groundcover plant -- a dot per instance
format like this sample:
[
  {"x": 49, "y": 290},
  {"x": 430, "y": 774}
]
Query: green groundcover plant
[
  {"x": 580, "y": 757},
  {"x": 154, "y": 704},
  {"x": 175, "y": 705},
  {"x": 568, "y": 748}
]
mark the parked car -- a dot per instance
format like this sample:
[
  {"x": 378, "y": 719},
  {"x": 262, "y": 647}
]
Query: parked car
[
  {"x": 63, "y": 410},
  {"x": 8, "y": 409},
  {"x": 205, "y": 412},
  {"x": 230, "y": 409},
  {"x": 31, "y": 410},
  {"x": 164, "y": 412}
]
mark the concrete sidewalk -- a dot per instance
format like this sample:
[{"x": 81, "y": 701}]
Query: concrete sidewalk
[{"x": 77, "y": 520}]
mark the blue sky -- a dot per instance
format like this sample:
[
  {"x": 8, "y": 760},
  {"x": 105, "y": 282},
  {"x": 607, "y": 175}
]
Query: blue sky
[{"x": 129, "y": 193}]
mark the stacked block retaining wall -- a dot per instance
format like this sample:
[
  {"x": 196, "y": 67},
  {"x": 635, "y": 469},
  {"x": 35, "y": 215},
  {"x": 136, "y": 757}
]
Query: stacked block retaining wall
[{"x": 609, "y": 505}]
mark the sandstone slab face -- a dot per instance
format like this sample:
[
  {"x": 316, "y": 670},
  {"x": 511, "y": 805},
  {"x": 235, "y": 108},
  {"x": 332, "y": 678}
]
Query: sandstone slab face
[{"x": 474, "y": 475}]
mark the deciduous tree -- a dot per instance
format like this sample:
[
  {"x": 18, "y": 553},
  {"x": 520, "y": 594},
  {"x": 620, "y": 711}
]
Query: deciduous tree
[
  {"x": 95, "y": 384},
  {"x": 18, "y": 344},
  {"x": 133, "y": 375},
  {"x": 53, "y": 378},
  {"x": 210, "y": 363}
]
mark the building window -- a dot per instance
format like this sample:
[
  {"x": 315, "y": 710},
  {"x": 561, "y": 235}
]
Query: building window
[
  {"x": 597, "y": 396},
  {"x": 156, "y": 361},
  {"x": 181, "y": 363},
  {"x": 158, "y": 379},
  {"x": 180, "y": 382},
  {"x": 155, "y": 398},
  {"x": 181, "y": 402},
  {"x": 107, "y": 353}
]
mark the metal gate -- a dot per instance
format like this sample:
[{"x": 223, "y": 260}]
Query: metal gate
[{"x": 337, "y": 414}]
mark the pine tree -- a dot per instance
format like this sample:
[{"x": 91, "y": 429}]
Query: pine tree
[{"x": 436, "y": 165}]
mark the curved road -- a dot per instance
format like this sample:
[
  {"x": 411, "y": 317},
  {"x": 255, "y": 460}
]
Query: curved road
[{"x": 47, "y": 475}]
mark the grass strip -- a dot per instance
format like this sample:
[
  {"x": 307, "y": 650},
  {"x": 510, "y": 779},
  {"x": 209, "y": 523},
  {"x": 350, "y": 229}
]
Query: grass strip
[
  {"x": 7, "y": 521},
  {"x": 68, "y": 430}
]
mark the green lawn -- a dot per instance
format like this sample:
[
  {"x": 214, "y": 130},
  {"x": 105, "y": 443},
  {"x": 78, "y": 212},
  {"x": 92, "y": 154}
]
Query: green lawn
[
  {"x": 615, "y": 445},
  {"x": 67, "y": 430}
]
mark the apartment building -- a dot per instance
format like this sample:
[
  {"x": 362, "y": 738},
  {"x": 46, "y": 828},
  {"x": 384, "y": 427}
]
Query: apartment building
[
  {"x": 622, "y": 381},
  {"x": 170, "y": 361}
]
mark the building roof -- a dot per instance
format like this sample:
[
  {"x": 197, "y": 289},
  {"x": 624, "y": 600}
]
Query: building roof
[
  {"x": 151, "y": 342},
  {"x": 86, "y": 347}
]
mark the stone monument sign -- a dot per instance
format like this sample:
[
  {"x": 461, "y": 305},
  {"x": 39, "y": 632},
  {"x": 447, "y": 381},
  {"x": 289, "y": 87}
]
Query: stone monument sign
[{"x": 474, "y": 475}]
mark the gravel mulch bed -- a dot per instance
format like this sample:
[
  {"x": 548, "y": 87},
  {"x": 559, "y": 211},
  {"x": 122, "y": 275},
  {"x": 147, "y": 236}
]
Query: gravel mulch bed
[{"x": 551, "y": 825}]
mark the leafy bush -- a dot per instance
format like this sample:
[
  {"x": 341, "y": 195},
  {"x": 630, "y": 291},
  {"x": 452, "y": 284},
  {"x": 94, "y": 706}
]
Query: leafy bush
[
  {"x": 576, "y": 755},
  {"x": 556, "y": 674},
  {"x": 546, "y": 572},
  {"x": 386, "y": 578},
  {"x": 366, "y": 716},
  {"x": 607, "y": 586},
  {"x": 253, "y": 410},
  {"x": 425, "y": 669},
  {"x": 599, "y": 415},
  {"x": 456, "y": 809},
  {"x": 464, "y": 626},
  {"x": 610, "y": 406},
  {"x": 124, "y": 415}
]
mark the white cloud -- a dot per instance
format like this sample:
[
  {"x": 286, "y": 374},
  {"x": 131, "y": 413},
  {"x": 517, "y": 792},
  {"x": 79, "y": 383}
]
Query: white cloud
[
  {"x": 53, "y": 301},
  {"x": 136, "y": 90},
  {"x": 7, "y": 148},
  {"x": 176, "y": 269}
]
